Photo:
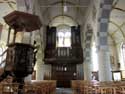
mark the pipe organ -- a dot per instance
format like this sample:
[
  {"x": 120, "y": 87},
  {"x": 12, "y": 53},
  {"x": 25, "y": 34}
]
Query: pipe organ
[
  {"x": 63, "y": 59},
  {"x": 73, "y": 53}
]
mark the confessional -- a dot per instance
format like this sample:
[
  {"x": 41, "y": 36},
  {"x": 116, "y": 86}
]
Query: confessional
[{"x": 20, "y": 59}]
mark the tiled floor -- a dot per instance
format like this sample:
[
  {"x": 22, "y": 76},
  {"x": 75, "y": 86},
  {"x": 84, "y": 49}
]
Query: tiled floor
[{"x": 64, "y": 91}]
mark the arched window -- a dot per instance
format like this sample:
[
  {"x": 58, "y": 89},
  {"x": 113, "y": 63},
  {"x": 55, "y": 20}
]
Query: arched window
[
  {"x": 63, "y": 36},
  {"x": 122, "y": 63},
  {"x": 2, "y": 57}
]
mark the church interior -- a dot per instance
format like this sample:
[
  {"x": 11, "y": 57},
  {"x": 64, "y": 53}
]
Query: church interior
[{"x": 62, "y": 47}]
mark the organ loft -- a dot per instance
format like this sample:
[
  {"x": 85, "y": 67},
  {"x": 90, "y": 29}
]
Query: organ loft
[{"x": 62, "y": 47}]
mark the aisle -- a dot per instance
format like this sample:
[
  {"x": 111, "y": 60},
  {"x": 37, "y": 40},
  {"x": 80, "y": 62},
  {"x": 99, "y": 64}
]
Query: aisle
[{"x": 64, "y": 91}]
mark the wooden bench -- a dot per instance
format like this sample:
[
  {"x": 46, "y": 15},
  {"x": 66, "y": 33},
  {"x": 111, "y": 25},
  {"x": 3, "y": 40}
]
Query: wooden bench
[
  {"x": 45, "y": 86},
  {"x": 34, "y": 87},
  {"x": 90, "y": 87}
]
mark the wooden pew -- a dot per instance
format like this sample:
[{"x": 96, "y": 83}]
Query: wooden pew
[
  {"x": 45, "y": 86},
  {"x": 75, "y": 84},
  {"x": 8, "y": 88},
  {"x": 90, "y": 87},
  {"x": 35, "y": 87}
]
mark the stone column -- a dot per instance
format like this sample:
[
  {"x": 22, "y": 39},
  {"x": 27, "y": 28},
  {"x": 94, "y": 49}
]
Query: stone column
[
  {"x": 87, "y": 55},
  {"x": 104, "y": 65},
  {"x": 87, "y": 70},
  {"x": 80, "y": 74},
  {"x": 39, "y": 72},
  {"x": 103, "y": 49}
]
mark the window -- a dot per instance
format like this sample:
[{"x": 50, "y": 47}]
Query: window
[
  {"x": 63, "y": 37},
  {"x": 122, "y": 63},
  {"x": 3, "y": 57},
  {"x": 94, "y": 57}
]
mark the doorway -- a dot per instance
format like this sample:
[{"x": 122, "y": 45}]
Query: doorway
[{"x": 64, "y": 74}]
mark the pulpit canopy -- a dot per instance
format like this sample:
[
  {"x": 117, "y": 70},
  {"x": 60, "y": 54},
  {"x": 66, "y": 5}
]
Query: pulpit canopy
[{"x": 21, "y": 20}]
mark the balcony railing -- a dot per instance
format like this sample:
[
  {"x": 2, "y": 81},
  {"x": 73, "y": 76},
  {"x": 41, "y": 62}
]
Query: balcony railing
[{"x": 64, "y": 53}]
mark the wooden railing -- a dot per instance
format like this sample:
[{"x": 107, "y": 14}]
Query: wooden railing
[
  {"x": 94, "y": 87},
  {"x": 67, "y": 53},
  {"x": 63, "y": 52},
  {"x": 35, "y": 87}
]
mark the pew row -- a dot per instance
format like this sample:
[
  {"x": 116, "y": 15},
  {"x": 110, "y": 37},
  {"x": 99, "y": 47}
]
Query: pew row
[
  {"x": 34, "y": 87},
  {"x": 95, "y": 87}
]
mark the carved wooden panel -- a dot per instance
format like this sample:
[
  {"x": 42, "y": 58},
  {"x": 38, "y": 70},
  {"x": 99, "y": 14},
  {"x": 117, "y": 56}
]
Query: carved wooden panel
[
  {"x": 63, "y": 74},
  {"x": 51, "y": 37},
  {"x": 75, "y": 36}
]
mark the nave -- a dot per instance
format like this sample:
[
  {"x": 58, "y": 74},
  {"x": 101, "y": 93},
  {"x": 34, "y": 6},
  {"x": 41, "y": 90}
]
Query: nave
[
  {"x": 64, "y": 91},
  {"x": 77, "y": 87},
  {"x": 73, "y": 41}
]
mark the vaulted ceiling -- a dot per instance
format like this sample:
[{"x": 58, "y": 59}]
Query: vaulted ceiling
[
  {"x": 117, "y": 22},
  {"x": 6, "y": 6},
  {"x": 72, "y": 8},
  {"x": 75, "y": 9}
]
